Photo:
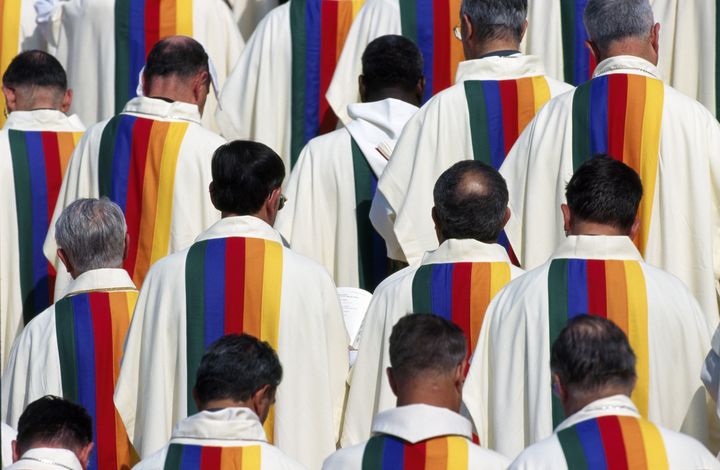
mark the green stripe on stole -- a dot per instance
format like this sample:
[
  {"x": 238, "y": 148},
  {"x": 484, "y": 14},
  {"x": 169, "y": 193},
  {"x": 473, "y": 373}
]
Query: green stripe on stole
[
  {"x": 362, "y": 174},
  {"x": 408, "y": 19},
  {"x": 299, "y": 42},
  {"x": 572, "y": 449},
  {"x": 65, "y": 333},
  {"x": 173, "y": 460},
  {"x": 107, "y": 154},
  {"x": 557, "y": 317},
  {"x": 581, "y": 123},
  {"x": 477, "y": 110},
  {"x": 195, "y": 315},
  {"x": 122, "y": 53},
  {"x": 373, "y": 454},
  {"x": 421, "y": 291}
]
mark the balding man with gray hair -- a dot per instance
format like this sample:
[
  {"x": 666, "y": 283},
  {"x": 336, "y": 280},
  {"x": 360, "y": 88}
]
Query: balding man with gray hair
[{"x": 73, "y": 349}]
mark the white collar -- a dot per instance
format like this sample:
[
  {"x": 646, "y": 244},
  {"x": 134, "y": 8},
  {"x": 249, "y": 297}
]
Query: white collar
[
  {"x": 627, "y": 64},
  {"x": 154, "y": 108},
  {"x": 616, "y": 405},
  {"x": 500, "y": 68},
  {"x": 50, "y": 120},
  {"x": 44, "y": 458},
  {"x": 232, "y": 424},
  {"x": 240, "y": 226},
  {"x": 465, "y": 250},
  {"x": 103, "y": 280},
  {"x": 597, "y": 247},
  {"x": 415, "y": 423}
]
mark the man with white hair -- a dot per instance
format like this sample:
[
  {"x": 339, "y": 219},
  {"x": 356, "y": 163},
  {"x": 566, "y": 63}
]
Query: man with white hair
[
  {"x": 73, "y": 349},
  {"x": 625, "y": 111}
]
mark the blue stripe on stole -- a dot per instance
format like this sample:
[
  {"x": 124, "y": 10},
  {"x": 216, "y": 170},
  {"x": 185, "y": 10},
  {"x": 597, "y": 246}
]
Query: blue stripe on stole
[
  {"x": 393, "y": 453},
  {"x": 85, "y": 359},
  {"x": 214, "y": 279},
  {"x": 503, "y": 240},
  {"x": 577, "y": 288},
  {"x": 121, "y": 161},
  {"x": 313, "y": 21},
  {"x": 379, "y": 250},
  {"x": 496, "y": 133},
  {"x": 441, "y": 290},
  {"x": 424, "y": 16},
  {"x": 591, "y": 441},
  {"x": 598, "y": 116},
  {"x": 582, "y": 57},
  {"x": 191, "y": 457},
  {"x": 39, "y": 214},
  {"x": 136, "y": 24}
]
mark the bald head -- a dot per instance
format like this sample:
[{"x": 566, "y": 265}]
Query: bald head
[
  {"x": 35, "y": 80},
  {"x": 470, "y": 202}
]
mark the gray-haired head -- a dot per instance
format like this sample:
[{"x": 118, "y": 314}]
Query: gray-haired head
[
  {"x": 91, "y": 233},
  {"x": 608, "y": 21},
  {"x": 496, "y": 19}
]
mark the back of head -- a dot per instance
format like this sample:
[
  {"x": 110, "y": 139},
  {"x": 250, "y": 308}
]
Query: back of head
[
  {"x": 391, "y": 62},
  {"x": 54, "y": 422},
  {"x": 592, "y": 354},
  {"x": 91, "y": 232},
  {"x": 179, "y": 56},
  {"x": 471, "y": 201},
  {"x": 496, "y": 19},
  {"x": 235, "y": 367},
  {"x": 607, "y": 21},
  {"x": 244, "y": 174},
  {"x": 32, "y": 73},
  {"x": 605, "y": 191}
]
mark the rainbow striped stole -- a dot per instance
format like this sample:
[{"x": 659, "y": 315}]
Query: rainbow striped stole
[
  {"x": 139, "y": 24},
  {"x": 459, "y": 292},
  {"x": 39, "y": 161},
  {"x": 578, "y": 63},
  {"x": 233, "y": 285},
  {"x": 10, "y": 11},
  {"x": 190, "y": 457},
  {"x": 614, "y": 289},
  {"x": 318, "y": 29},
  {"x": 91, "y": 330},
  {"x": 621, "y": 115},
  {"x": 430, "y": 24},
  {"x": 385, "y": 452},
  {"x": 613, "y": 443},
  {"x": 138, "y": 158}
]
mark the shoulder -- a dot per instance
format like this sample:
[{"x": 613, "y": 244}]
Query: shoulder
[
  {"x": 490, "y": 459},
  {"x": 169, "y": 267},
  {"x": 276, "y": 459},
  {"x": 349, "y": 458},
  {"x": 543, "y": 455},
  {"x": 665, "y": 283},
  {"x": 325, "y": 148},
  {"x": 155, "y": 461},
  {"x": 203, "y": 138},
  {"x": 39, "y": 326},
  {"x": 395, "y": 280},
  {"x": 304, "y": 267},
  {"x": 686, "y": 452}
]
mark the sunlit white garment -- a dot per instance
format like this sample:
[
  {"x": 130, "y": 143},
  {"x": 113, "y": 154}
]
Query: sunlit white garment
[
  {"x": 7, "y": 435},
  {"x": 684, "y": 223},
  {"x": 44, "y": 458},
  {"x": 152, "y": 390},
  {"x": 508, "y": 390},
  {"x": 419, "y": 426},
  {"x": 248, "y": 13},
  {"x": 662, "y": 445},
  {"x": 225, "y": 428}
]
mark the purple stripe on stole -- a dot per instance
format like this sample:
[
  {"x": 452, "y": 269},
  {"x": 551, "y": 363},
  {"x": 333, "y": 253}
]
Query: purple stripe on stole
[
  {"x": 39, "y": 214},
  {"x": 441, "y": 290},
  {"x": 591, "y": 441},
  {"x": 214, "y": 290},
  {"x": 137, "y": 43},
  {"x": 577, "y": 288},
  {"x": 582, "y": 56},
  {"x": 599, "y": 116},
  {"x": 393, "y": 454},
  {"x": 313, "y": 20},
  {"x": 121, "y": 161},
  {"x": 424, "y": 16},
  {"x": 191, "y": 457},
  {"x": 496, "y": 133}
]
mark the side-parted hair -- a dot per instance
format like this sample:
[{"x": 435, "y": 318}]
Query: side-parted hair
[
  {"x": 54, "y": 422},
  {"x": 612, "y": 20},
  {"x": 392, "y": 61},
  {"x": 235, "y": 367},
  {"x": 496, "y": 19},
  {"x": 177, "y": 55},
  {"x": 35, "y": 69}
]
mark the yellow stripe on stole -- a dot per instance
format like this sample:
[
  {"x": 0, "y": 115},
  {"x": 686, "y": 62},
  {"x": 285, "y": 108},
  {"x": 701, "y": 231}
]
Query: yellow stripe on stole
[
  {"x": 271, "y": 295},
  {"x": 184, "y": 18},
  {"x": 652, "y": 123},
  {"x": 457, "y": 453},
  {"x": 251, "y": 457},
  {"x": 9, "y": 36},
  {"x": 655, "y": 454},
  {"x": 638, "y": 333},
  {"x": 541, "y": 91},
  {"x": 122, "y": 306}
]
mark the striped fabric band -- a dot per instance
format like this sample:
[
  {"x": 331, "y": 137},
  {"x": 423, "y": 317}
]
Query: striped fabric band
[
  {"x": 91, "y": 330},
  {"x": 190, "y": 457},
  {"x": 138, "y": 158},
  {"x": 39, "y": 161},
  {"x": 614, "y": 289},
  {"x": 384, "y": 452},
  {"x": 373, "y": 263},
  {"x": 459, "y": 292},
  {"x": 621, "y": 115},
  {"x": 233, "y": 285},
  {"x": 613, "y": 443},
  {"x": 318, "y": 29},
  {"x": 579, "y": 64},
  {"x": 430, "y": 24},
  {"x": 9, "y": 39},
  {"x": 139, "y": 24}
]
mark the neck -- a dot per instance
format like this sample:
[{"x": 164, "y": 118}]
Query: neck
[
  {"x": 396, "y": 93},
  {"x": 262, "y": 215},
  {"x": 485, "y": 48},
  {"x": 576, "y": 402},
  {"x": 633, "y": 47},
  {"x": 171, "y": 88},
  {"x": 225, "y": 403},
  {"x": 439, "y": 393},
  {"x": 592, "y": 228}
]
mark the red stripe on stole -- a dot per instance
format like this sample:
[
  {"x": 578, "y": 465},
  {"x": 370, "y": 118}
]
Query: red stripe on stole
[
  {"x": 509, "y": 97},
  {"x": 234, "y": 284},
  {"x": 613, "y": 444},
  {"x": 596, "y": 288},
  {"x": 461, "y": 292},
  {"x": 617, "y": 103},
  {"x": 136, "y": 180},
  {"x": 210, "y": 458},
  {"x": 414, "y": 455},
  {"x": 152, "y": 24},
  {"x": 328, "y": 60},
  {"x": 104, "y": 380},
  {"x": 441, "y": 39},
  {"x": 53, "y": 173}
]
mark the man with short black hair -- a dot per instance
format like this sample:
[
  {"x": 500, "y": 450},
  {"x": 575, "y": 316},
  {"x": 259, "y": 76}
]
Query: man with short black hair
[
  {"x": 238, "y": 278},
  {"x": 234, "y": 391},
  {"x": 593, "y": 369},
  {"x": 597, "y": 270},
  {"x": 428, "y": 357},
  {"x": 53, "y": 434},
  {"x": 457, "y": 281},
  {"x": 333, "y": 183}
]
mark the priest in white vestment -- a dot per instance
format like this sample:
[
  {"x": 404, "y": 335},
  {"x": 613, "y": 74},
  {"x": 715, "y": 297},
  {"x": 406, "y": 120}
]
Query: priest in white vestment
[
  {"x": 628, "y": 113},
  {"x": 594, "y": 375},
  {"x": 103, "y": 45},
  {"x": 331, "y": 187},
  {"x": 35, "y": 146},
  {"x": 498, "y": 90},
  {"x": 249, "y": 13},
  {"x": 456, "y": 281},
  {"x": 596, "y": 270},
  {"x": 238, "y": 278},
  {"x": 153, "y": 160},
  {"x": 428, "y": 357}
]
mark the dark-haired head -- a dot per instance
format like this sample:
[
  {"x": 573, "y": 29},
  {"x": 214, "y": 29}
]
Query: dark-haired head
[
  {"x": 471, "y": 201},
  {"x": 591, "y": 359},
  {"x": 57, "y": 423},
  {"x": 36, "y": 80},
  {"x": 238, "y": 371},
  {"x": 603, "y": 197},
  {"x": 247, "y": 177},
  {"x": 492, "y": 25},
  {"x": 392, "y": 68}
]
